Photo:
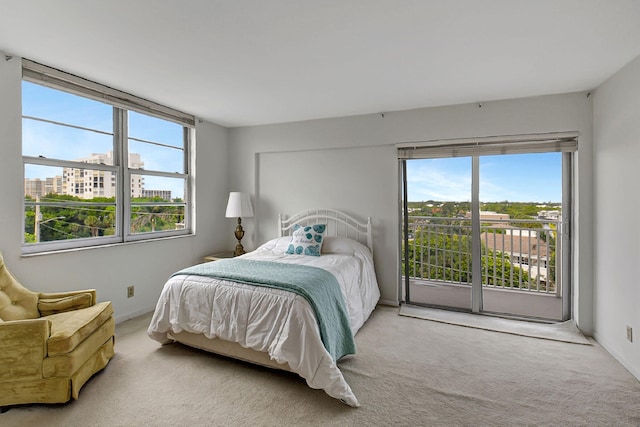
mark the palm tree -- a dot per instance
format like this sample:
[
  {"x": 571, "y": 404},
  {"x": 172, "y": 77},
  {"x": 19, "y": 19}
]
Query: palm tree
[{"x": 92, "y": 222}]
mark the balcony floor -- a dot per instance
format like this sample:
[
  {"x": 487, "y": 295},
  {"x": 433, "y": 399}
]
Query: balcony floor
[{"x": 495, "y": 300}]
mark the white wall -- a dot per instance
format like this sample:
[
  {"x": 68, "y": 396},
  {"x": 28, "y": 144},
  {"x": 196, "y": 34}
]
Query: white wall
[
  {"x": 357, "y": 173},
  {"x": 358, "y": 169},
  {"x": 291, "y": 181},
  {"x": 108, "y": 269},
  {"x": 617, "y": 203}
]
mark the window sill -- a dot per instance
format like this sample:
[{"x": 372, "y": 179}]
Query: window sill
[{"x": 106, "y": 245}]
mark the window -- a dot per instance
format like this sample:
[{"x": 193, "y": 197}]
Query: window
[{"x": 100, "y": 166}]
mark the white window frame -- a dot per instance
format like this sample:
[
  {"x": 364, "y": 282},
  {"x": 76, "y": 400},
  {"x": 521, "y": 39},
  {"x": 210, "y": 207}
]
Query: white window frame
[
  {"x": 563, "y": 142},
  {"x": 122, "y": 103}
]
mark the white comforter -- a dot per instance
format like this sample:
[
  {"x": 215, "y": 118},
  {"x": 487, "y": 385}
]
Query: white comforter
[{"x": 269, "y": 320}]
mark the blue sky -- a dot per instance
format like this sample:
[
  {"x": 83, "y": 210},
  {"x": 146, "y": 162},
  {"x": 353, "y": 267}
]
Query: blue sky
[
  {"x": 61, "y": 142},
  {"x": 517, "y": 178}
]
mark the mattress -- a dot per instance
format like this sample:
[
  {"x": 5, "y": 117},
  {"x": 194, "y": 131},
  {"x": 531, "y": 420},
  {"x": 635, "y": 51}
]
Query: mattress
[{"x": 276, "y": 322}]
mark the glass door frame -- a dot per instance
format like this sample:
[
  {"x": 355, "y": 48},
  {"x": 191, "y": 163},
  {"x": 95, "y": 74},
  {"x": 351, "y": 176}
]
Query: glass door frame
[{"x": 476, "y": 303}]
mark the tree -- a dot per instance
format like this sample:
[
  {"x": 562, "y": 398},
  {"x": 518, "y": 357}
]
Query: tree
[
  {"x": 79, "y": 219},
  {"x": 151, "y": 217},
  {"x": 497, "y": 270},
  {"x": 436, "y": 259},
  {"x": 550, "y": 238},
  {"x": 447, "y": 257},
  {"x": 92, "y": 222}
]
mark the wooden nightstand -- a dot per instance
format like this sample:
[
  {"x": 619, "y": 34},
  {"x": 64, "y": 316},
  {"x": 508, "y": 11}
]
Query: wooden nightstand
[{"x": 219, "y": 255}]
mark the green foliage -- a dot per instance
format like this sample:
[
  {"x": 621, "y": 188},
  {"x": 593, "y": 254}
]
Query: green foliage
[
  {"x": 440, "y": 256},
  {"x": 506, "y": 274},
  {"x": 515, "y": 210},
  {"x": 447, "y": 257},
  {"x": 439, "y": 209},
  {"x": 81, "y": 220},
  {"x": 551, "y": 266},
  {"x": 151, "y": 218},
  {"x": 497, "y": 270}
]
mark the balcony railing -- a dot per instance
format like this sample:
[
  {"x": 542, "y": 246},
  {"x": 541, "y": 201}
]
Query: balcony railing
[{"x": 518, "y": 255}]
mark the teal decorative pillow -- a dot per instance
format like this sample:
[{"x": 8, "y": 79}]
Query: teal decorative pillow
[{"x": 307, "y": 240}]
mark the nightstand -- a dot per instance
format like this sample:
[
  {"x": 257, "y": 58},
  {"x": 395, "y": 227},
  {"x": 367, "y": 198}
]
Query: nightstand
[{"x": 219, "y": 255}]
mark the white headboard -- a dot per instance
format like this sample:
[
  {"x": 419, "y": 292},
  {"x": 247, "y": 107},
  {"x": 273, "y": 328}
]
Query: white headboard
[{"x": 339, "y": 224}]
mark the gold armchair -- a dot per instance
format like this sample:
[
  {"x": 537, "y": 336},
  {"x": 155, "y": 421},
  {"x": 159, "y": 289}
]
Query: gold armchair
[{"x": 50, "y": 344}]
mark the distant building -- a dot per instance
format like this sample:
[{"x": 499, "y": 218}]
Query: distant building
[
  {"x": 34, "y": 187},
  {"x": 37, "y": 187},
  {"x": 87, "y": 183},
  {"x": 164, "y": 194},
  {"x": 53, "y": 185},
  {"x": 488, "y": 216},
  {"x": 525, "y": 249},
  {"x": 551, "y": 215}
]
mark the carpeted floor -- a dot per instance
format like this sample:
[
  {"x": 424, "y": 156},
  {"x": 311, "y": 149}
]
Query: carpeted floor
[{"x": 408, "y": 372}]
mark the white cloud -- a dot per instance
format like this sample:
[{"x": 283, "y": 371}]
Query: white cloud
[
  {"x": 430, "y": 180},
  {"x": 522, "y": 178}
]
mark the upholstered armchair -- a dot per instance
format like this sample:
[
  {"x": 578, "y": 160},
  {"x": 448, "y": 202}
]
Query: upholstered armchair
[{"x": 50, "y": 344}]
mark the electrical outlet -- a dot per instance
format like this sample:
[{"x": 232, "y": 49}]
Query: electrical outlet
[
  {"x": 130, "y": 291},
  {"x": 629, "y": 333}
]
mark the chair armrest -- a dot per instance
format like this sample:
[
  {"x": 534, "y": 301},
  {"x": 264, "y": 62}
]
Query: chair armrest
[
  {"x": 23, "y": 346},
  {"x": 52, "y": 303},
  {"x": 54, "y": 295}
]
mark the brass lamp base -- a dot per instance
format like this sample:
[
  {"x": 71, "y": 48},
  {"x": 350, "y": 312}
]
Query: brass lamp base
[
  {"x": 239, "y": 233},
  {"x": 239, "y": 250}
]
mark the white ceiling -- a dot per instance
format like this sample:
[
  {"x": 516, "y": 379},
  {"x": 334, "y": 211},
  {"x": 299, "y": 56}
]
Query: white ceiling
[{"x": 246, "y": 62}]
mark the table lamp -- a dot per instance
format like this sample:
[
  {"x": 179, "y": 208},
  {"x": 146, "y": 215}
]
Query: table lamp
[{"x": 239, "y": 205}]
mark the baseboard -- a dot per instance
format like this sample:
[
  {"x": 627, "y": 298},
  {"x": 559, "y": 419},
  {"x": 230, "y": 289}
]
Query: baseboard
[
  {"x": 127, "y": 316},
  {"x": 388, "y": 302},
  {"x": 635, "y": 371}
]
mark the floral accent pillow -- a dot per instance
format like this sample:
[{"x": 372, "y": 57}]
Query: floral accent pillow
[{"x": 307, "y": 240}]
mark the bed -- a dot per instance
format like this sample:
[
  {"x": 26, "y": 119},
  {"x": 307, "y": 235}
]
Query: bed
[{"x": 258, "y": 308}]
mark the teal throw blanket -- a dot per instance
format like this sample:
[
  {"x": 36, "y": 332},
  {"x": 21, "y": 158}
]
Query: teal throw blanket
[{"x": 319, "y": 287}]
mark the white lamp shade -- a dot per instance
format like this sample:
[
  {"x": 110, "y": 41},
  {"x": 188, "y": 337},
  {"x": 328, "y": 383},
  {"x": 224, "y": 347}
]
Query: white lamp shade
[{"x": 239, "y": 205}]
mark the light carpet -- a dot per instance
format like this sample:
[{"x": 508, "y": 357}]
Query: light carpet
[
  {"x": 563, "y": 331},
  {"x": 407, "y": 372}
]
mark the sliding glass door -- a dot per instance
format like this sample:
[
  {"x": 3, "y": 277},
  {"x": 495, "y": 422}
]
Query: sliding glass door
[
  {"x": 438, "y": 244},
  {"x": 522, "y": 206},
  {"x": 488, "y": 233}
]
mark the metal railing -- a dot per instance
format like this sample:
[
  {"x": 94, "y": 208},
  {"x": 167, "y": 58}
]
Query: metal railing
[{"x": 522, "y": 255}]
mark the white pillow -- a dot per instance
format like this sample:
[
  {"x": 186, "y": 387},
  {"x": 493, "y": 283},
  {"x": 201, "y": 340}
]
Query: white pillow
[
  {"x": 279, "y": 244},
  {"x": 342, "y": 245}
]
